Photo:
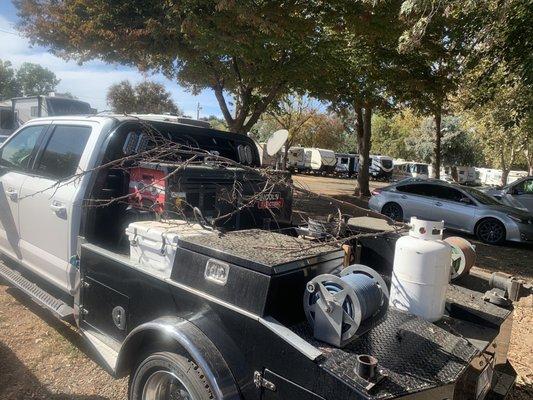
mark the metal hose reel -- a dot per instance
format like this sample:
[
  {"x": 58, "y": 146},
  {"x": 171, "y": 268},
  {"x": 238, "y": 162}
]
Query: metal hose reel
[{"x": 340, "y": 308}]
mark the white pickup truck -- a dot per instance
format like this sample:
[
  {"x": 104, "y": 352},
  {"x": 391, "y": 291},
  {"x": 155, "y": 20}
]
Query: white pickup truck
[{"x": 207, "y": 303}]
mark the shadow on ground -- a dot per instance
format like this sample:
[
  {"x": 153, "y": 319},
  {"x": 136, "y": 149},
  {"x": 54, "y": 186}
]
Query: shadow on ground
[{"x": 17, "y": 381}]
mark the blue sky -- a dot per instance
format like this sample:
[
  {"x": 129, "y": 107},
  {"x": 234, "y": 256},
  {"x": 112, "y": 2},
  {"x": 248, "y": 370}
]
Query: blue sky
[{"x": 90, "y": 81}]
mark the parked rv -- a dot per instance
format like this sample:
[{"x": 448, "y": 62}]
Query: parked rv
[
  {"x": 380, "y": 167},
  {"x": 312, "y": 160},
  {"x": 26, "y": 108},
  {"x": 320, "y": 160},
  {"x": 347, "y": 164},
  {"x": 296, "y": 159},
  {"x": 410, "y": 169},
  {"x": 459, "y": 174},
  {"x": 6, "y": 120}
]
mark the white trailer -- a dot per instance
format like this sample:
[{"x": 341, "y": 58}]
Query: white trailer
[
  {"x": 296, "y": 159},
  {"x": 410, "y": 169},
  {"x": 380, "y": 167},
  {"x": 6, "y": 120},
  {"x": 347, "y": 164},
  {"x": 320, "y": 160},
  {"x": 27, "y": 108},
  {"x": 267, "y": 160}
]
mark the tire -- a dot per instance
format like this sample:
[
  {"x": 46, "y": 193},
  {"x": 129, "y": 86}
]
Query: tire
[
  {"x": 393, "y": 210},
  {"x": 490, "y": 231},
  {"x": 171, "y": 375}
]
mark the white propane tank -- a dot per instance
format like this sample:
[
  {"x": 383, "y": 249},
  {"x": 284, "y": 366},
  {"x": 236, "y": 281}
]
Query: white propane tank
[{"x": 421, "y": 270}]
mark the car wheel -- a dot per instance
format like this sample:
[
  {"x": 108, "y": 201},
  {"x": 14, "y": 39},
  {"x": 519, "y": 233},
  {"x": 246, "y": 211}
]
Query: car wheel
[
  {"x": 393, "y": 210},
  {"x": 165, "y": 376},
  {"x": 490, "y": 231}
]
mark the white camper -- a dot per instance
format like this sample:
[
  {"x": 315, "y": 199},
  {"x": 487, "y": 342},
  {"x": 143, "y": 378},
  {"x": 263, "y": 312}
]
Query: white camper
[
  {"x": 6, "y": 120},
  {"x": 320, "y": 160},
  {"x": 410, "y": 169},
  {"x": 460, "y": 174},
  {"x": 26, "y": 108},
  {"x": 380, "y": 167},
  {"x": 296, "y": 159},
  {"x": 347, "y": 164}
]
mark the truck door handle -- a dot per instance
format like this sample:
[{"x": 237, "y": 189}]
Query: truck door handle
[
  {"x": 58, "y": 207},
  {"x": 12, "y": 194},
  {"x": 438, "y": 204}
]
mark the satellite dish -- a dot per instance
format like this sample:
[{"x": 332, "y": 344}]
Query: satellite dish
[{"x": 276, "y": 141}]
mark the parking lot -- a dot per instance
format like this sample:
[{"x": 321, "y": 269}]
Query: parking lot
[{"x": 42, "y": 358}]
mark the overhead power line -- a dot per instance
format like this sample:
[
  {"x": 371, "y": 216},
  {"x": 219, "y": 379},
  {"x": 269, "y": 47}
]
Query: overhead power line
[{"x": 9, "y": 32}]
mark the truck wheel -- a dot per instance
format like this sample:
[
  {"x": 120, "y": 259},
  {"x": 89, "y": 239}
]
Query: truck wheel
[{"x": 167, "y": 376}]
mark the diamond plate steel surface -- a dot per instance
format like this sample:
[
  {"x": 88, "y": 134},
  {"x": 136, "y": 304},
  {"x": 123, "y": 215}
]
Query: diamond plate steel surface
[
  {"x": 413, "y": 354},
  {"x": 461, "y": 299}
]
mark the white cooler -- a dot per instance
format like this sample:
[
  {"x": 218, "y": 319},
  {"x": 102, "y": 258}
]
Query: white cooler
[{"x": 153, "y": 244}]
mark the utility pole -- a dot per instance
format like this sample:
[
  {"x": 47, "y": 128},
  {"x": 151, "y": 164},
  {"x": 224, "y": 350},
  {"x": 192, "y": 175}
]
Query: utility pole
[{"x": 198, "y": 108}]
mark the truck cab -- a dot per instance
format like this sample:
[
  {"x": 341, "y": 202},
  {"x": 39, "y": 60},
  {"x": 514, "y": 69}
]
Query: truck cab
[{"x": 51, "y": 166}]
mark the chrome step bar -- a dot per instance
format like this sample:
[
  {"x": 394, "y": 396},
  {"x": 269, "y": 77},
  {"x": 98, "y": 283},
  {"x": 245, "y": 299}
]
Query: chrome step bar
[{"x": 58, "y": 307}]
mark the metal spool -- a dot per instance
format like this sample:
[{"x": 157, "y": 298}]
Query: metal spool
[
  {"x": 337, "y": 307},
  {"x": 463, "y": 256}
]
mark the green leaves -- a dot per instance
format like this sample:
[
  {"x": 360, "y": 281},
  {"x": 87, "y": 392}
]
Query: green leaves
[
  {"x": 29, "y": 80},
  {"x": 145, "y": 98}
]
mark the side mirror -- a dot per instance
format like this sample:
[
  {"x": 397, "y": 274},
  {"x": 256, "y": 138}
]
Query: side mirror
[{"x": 465, "y": 200}]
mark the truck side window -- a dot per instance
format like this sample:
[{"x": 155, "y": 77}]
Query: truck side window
[
  {"x": 17, "y": 152},
  {"x": 63, "y": 151}
]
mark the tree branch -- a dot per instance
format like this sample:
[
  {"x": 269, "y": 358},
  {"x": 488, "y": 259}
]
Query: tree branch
[{"x": 219, "y": 94}]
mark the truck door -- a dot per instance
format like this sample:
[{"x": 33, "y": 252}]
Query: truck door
[
  {"x": 15, "y": 157},
  {"x": 49, "y": 217}
]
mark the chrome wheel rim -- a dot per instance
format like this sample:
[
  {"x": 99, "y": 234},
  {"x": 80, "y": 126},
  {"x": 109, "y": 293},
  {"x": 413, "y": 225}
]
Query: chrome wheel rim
[
  {"x": 164, "y": 385},
  {"x": 491, "y": 232}
]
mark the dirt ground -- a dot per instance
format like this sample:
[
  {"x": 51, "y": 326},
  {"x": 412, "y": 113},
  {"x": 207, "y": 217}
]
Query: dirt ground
[{"x": 42, "y": 358}]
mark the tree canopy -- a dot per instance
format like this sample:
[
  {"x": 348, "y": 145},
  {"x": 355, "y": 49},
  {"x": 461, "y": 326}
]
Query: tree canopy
[
  {"x": 247, "y": 52},
  {"x": 9, "y": 86},
  {"x": 436, "y": 58},
  {"x": 36, "y": 80},
  {"x": 29, "y": 80},
  {"x": 145, "y": 98}
]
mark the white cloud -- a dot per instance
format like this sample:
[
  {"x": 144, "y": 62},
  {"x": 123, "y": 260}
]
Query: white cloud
[{"x": 91, "y": 80}]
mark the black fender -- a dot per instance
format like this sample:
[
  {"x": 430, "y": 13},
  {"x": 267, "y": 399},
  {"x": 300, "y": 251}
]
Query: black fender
[{"x": 190, "y": 339}]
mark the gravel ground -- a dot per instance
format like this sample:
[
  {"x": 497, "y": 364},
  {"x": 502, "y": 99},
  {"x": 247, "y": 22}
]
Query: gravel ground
[{"x": 43, "y": 358}]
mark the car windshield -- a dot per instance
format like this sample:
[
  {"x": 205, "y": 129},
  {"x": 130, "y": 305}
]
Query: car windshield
[{"x": 481, "y": 197}]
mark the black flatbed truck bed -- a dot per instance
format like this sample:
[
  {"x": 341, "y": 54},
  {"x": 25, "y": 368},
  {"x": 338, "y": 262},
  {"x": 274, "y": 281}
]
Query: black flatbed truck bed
[{"x": 253, "y": 336}]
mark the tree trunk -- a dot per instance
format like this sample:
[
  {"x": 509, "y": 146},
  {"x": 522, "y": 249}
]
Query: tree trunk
[
  {"x": 506, "y": 166},
  {"x": 505, "y": 175},
  {"x": 285, "y": 157},
  {"x": 364, "y": 134},
  {"x": 437, "y": 150},
  {"x": 529, "y": 158}
]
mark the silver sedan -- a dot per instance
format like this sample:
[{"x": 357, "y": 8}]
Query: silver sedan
[
  {"x": 518, "y": 194},
  {"x": 461, "y": 208}
]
